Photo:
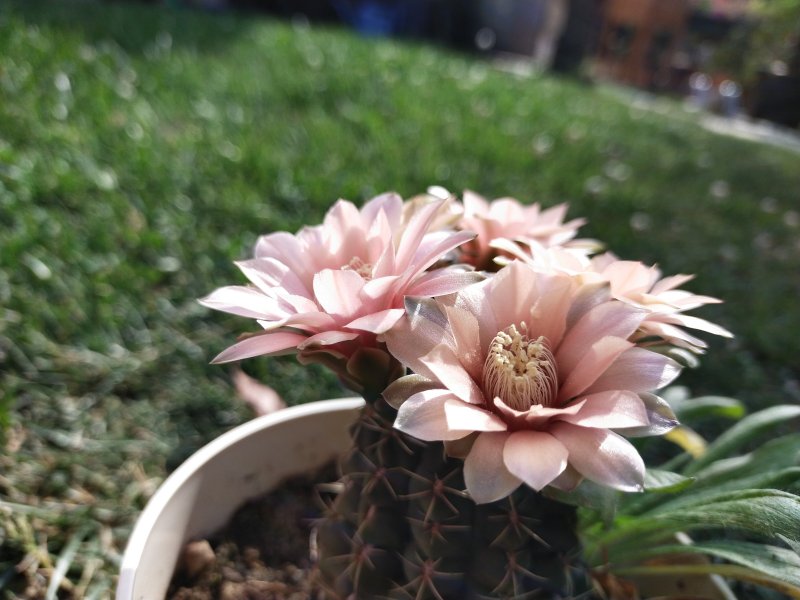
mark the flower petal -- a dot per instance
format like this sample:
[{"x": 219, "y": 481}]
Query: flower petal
[
  {"x": 594, "y": 363},
  {"x": 602, "y": 456},
  {"x": 536, "y": 457},
  {"x": 630, "y": 277},
  {"x": 377, "y": 289},
  {"x": 510, "y": 295},
  {"x": 590, "y": 294},
  {"x": 660, "y": 418},
  {"x": 379, "y": 322},
  {"x": 466, "y": 340},
  {"x": 337, "y": 291},
  {"x": 243, "y": 301},
  {"x": 568, "y": 480},
  {"x": 414, "y": 234},
  {"x": 536, "y": 416},
  {"x": 403, "y": 388},
  {"x": 270, "y": 342},
  {"x": 388, "y": 203},
  {"x": 421, "y": 330},
  {"x": 548, "y": 317},
  {"x": 608, "y": 319},
  {"x": 437, "y": 414},
  {"x": 694, "y": 323},
  {"x": 486, "y": 477},
  {"x": 269, "y": 273},
  {"x": 610, "y": 410},
  {"x": 289, "y": 250},
  {"x": 344, "y": 231},
  {"x": 637, "y": 370},
  {"x": 327, "y": 338},
  {"x": 445, "y": 365},
  {"x": 443, "y": 281},
  {"x": 475, "y": 300}
]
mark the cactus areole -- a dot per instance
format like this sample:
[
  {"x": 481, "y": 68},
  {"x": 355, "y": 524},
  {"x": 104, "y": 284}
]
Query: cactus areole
[{"x": 503, "y": 362}]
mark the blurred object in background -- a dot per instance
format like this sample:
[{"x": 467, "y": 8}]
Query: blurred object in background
[
  {"x": 730, "y": 94},
  {"x": 761, "y": 49},
  {"x": 723, "y": 97},
  {"x": 431, "y": 19},
  {"x": 773, "y": 70},
  {"x": 748, "y": 49},
  {"x": 639, "y": 40},
  {"x": 580, "y": 36},
  {"x": 701, "y": 91}
]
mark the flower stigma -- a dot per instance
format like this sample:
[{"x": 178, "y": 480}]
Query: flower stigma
[{"x": 520, "y": 371}]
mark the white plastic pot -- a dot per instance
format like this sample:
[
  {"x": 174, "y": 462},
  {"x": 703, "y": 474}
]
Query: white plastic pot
[
  {"x": 203, "y": 493},
  {"x": 250, "y": 460}
]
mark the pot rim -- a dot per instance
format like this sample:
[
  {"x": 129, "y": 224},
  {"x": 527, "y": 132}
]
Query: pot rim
[{"x": 155, "y": 506}]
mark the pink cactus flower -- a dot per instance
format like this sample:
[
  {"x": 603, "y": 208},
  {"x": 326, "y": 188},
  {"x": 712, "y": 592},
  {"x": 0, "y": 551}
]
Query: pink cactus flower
[
  {"x": 632, "y": 282},
  {"x": 335, "y": 287},
  {"x": 539, "y": 373},
  {"x": 507, "y": 218},
  {"x": 643, "y": 286}
]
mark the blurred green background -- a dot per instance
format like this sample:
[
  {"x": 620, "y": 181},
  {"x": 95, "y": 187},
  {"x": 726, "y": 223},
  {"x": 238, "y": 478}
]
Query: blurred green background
[{"x": 142, "y": 150}]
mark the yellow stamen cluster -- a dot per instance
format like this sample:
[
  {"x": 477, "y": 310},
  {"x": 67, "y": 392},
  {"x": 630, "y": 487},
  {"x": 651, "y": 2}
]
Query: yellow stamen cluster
[
  {"x": 359, "y": 266},
  {"x": 520, "y": 371}
]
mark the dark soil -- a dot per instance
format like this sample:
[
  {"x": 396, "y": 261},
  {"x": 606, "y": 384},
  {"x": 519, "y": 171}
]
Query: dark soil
[{"x": 263, "y": 553}]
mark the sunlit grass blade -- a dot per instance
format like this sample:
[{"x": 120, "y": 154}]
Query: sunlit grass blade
[{"x": 65, "y": 560}]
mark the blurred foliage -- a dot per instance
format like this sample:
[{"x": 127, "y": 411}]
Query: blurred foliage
[
  {"x": 768, "y": 41},
  {"x": 142, "y": 150},
  {"x": 777, "y": 37}
]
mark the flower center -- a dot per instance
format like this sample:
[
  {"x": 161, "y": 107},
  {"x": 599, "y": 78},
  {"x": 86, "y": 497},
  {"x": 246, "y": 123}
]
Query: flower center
[
  {"x": 359, "y": 266},
  {"x": 520, "y": 371}
]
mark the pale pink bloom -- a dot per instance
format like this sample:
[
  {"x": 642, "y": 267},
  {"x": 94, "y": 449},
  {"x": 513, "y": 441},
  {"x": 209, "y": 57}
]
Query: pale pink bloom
[
  {"x": 507, "y": 218},
  {"x": 335, "y": 287},
  {"x": 632, "y": 282},
  {"x": 542, "y": 370},
  {"x": 449, "y": 214},
  {"x": 644, "y": 287}
]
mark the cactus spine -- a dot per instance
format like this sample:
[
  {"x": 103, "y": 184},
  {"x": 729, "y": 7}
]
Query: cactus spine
[{"x": 402, "y": 528}]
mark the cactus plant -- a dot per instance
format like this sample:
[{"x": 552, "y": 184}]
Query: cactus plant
[{"x": 504, "y": 365}]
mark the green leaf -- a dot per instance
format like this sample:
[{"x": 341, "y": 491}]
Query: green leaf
[
  {"x": 775, "y": 454},
  {"x": 791, "y": 543},
  {"x": 743, "y": 432},
  {"x": 768, "y": 513},
  {"x": 787, "y": 479},
  {"x": 693, "y": 409},
  {"x": 777, "y": 562},
  {"x": 764, "y": 512},
  {"x": 656, "y": 480},
  {"x": 783, "y": 479},
  {"x": 781, "y": 563}
]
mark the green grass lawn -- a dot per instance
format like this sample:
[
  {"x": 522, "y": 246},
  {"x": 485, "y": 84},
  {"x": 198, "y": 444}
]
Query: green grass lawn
[{"x": 142, "y": 150}]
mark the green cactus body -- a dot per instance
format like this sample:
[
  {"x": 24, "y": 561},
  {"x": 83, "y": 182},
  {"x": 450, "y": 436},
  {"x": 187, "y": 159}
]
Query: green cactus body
[{"x": 403, "y": 528}]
